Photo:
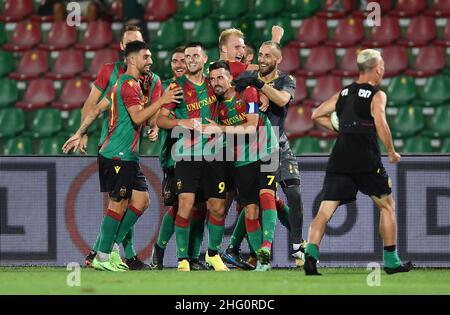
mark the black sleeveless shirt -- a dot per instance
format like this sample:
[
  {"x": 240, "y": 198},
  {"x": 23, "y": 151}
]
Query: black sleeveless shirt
[{"x": 356, "y": 149}]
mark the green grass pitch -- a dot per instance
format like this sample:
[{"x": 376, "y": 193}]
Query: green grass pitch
[{"x": 45, "y": 280}]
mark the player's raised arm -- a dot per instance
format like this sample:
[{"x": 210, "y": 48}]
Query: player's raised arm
[{"x": 322, "y": 114}]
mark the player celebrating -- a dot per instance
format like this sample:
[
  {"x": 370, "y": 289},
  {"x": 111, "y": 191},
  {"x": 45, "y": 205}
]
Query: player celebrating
[
  {"x": 355, "y": 161},
  {"x": 119, "y": 170}
]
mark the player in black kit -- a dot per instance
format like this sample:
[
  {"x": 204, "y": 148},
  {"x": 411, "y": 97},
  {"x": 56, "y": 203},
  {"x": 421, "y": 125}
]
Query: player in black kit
[{"x": 355, "y": 162}]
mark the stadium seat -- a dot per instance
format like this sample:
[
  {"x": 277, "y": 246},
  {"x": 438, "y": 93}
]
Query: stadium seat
[
  {"x": 32, "y": 65},
  {"x": 16, "y": 10},
  {"x": 408, "y": 122},
  {"x": 326, "y": 86},
  {"x": 26, "y": 35},
  {"x": 40, "y": 93},
  {"x": 291, "y": 59},
  {"x": 92, "y": 145},
  {"x": 301, "y": 92},
  {"x": 439, "y": 125},
  {"x": 189, "y": 10},
  {"x": 3, "y": 37},
  {"x": 320, "y": 61},
  {"x": 101, "y": 57},
  {"x": 117, "y": 10},
  {"x": 311, "y": 33},
  {"x": 430, "y": 60},
  {"x": 305, "y": 145},
  {"x": 248, "y": 27},
  {"x": 348, "y": 67},
  {"x": 401, "y": 90},
  {"x": 69, "y": 63},
  {"x": 98, "y": 35},
  {"x": 60, "y": 36},
  {"x": 283, "y": 22},
  {"x": 150, "y": 148},
  {"x": 12, "y": 121},
  {"x": 408, "y": 8},
  {"x": 6, "y": 63},
  {"x": 74, "y": 93},
  {"x": 395, "y": 60},
  {"x": 207, "y": 32},
  {"x": 263, "y": 9},
  {"x": 301, "y": 9},
  {"x": 46, "y": 122},
  {"x": 349, "y": 32},
  {"x": 298, "y": 120},
  {"x": 439, "y": 8},
  {"x": 445, "y": 147},
  {"x": 8, "y": 92},
  {"x": 160, "y": 10},
  {"x": 51, "y": 145},
  {"x": 214, "y": 54},
  {"x": 18, "y": 146},
  {"x": 385, "y": 34},
  {"x": 347, "y": 7},
  {"x": 385, "y": 6},
  {"x": 421, "y": 30},
  {"x": 444, "y": 40},
  {"x": 74, "y": 122},
  {"x": 230, "y": 10},
  {"x": 435, "y": 91},
  {"x": 418, "y": 144},
  {"x": 169, "y": 35}
]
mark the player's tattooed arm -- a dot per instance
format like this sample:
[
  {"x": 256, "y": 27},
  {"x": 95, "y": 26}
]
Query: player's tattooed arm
[{"x": 322, "y": 114}]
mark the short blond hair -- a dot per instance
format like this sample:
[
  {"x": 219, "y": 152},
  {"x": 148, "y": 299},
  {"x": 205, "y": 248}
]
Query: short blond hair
[
  {"x": 368, "y": 59},
  {"x": 223, "y": 38}
]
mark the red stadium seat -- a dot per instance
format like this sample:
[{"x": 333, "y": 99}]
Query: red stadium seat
[
  {"x": 348, "y": 33},
  {"x": 97, "y": 36},
  {"x": 444, "y": 40},
  {"x": 348, "y": 66},
  {"x": 430, "y": 60},
  {"x": 298, "y": 120},
  {"x": 117, "y": 10},
  {"x": 32, "y": 65},
  {"x": 16, "y": 10},
  {"x": 26, "y": 35},
  {"x": 101, "y": 57},
  {"x": 73, "y": 95},
  {"x": 347, "y": 7},
  {"x": 325, "y": 87},
  {"x": 291, "y": 59},
  {"x": 61, "y": 36},
  {"x": 40, "y": 92},
  {"x": 439, "y": 8},
  {"x": 395, "y": 60},
  {"x": 421, "y": 30},
  {"x": 301, "y": 92},
  {"x": 408, "y": 8},
  {"x": 68, "y": 64},
  {"x": 312, "y": 32},
  {"x": 160, "y": 10},
  {"x": 385, "y": 34},
  {"x": 320, "y": 61},
  {"x": 385, "y": 6}
]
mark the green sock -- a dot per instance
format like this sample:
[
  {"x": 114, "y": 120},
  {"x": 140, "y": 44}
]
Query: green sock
[
  {"x": 166, "y": 230},
  {"x": 128, "y": 245},
  {"x": 283, "y": 213},
  {"x": 216, "y": 230},
  {"x": 312, "y": 250},
  {"x": 391, "y": 259},
  {"x": 196, "y": 237},
  {"x": 109, "y": 227},
  {"x": 129, "y": 220},
  {"x": 239, "y": 231},
  {"x": 269, "y": 221},
  {"x": 97, "y": 241},
  {"x": 254, "y": 233},
  {"x": 182, "y": 236}
]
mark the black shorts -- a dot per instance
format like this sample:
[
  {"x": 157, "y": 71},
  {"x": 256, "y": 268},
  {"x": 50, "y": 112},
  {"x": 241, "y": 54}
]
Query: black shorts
[
  {"x": 168, "y": 187},
  {"x": 267, "y": 178},
  {"x": 343, "y": 187},
  {"x": 246, "y": 180},
  {"x": 229, "y": 177},
  {"x": 201, "y": 177},
  {"x": 119, "y": 178}
]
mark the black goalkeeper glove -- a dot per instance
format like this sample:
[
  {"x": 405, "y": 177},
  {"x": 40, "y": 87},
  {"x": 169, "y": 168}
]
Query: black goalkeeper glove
[{"x": 241, "y": 84}]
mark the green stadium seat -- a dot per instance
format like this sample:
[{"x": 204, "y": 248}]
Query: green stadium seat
[
  {"x": 401, "y": 90},
  {"x": 435, "y": 91},
  {"x": 213, "y": 54},
  {"x": 169, "y": 35},
  {"x": 189, "y": 10},
  {"x": 51, "y": 145},
  {"x": 46, "y": 122},
  {"x": 12, "y": 121},
  {"x": 8, "y": 92},
  {"x": 230, "y": 10},
  {"x": 248, "y": 27},
  {"x": 305, "y": 145},
  {"x": 2, "y": 34},
  {"x": 150, "y": 148},
  {"x": 417, "y": 144},
  {"x": 262, "y": 9},
  {"x": 301, "y": 9},
  {"x": 445, "y": 148},
  {"x": 6, "y": 63},
  {"x": 439, "y": 125},
  {"x": 74, "y": 122},
  {"x": 92, "y": 146},
  {"x": 285, "y": 23},
  {"x": 408, "y": 121},
  {"x": 207, "y": 32},
  {"x": 18, "y": 146}
]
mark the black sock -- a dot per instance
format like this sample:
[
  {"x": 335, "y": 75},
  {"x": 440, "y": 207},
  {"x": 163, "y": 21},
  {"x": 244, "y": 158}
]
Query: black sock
[
  {"x": 389, "y": 248},
  {"x": 295, "y": 204},
  {"x": 212, "y": 252}
]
